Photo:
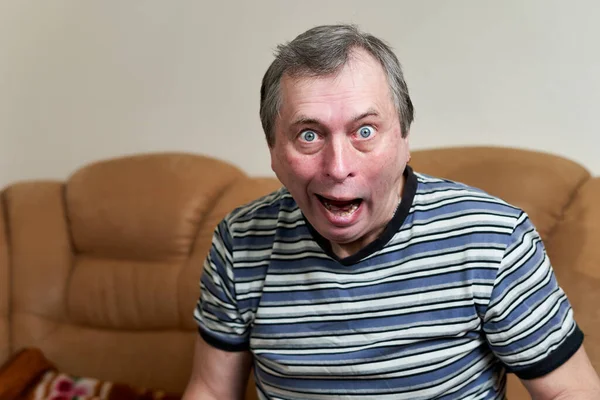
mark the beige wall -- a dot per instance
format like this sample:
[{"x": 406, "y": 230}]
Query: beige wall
[{"x": 83, "y": 80}]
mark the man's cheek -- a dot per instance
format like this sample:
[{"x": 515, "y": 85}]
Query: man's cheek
[{"x": 301, "y": 167}]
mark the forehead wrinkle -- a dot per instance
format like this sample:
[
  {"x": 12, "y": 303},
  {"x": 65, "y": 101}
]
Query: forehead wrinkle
[
  {"x": 359, "y": 62},
  {"x": 305, "y": 119}
]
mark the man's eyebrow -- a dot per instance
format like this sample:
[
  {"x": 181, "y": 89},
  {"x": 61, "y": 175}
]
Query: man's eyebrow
[
  {"x": 371, "y": 112},
  {"x": 304, "y": 120}
]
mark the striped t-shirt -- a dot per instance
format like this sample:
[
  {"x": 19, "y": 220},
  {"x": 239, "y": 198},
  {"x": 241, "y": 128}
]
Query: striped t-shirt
[{"x": 455, "y": 292}]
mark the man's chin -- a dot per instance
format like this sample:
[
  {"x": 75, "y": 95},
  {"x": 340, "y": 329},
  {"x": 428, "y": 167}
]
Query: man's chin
[{"x": 341, "y": 236}]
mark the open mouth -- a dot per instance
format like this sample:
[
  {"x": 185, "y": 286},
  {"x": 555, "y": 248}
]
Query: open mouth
[{"x": 340, "y": 208}]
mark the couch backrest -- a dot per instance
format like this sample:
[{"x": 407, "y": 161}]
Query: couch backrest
[
  {"x": 106, "y": 265},
  {"x": 4, "y": 286}
]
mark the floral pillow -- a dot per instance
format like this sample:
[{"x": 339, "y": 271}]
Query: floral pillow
[
  {"x": 30, "y": 376},
  {"x": 57, "y": 386}
]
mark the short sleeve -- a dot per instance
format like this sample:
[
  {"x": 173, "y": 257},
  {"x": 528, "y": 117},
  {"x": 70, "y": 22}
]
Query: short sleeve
[
  {"x": 529, "y": 322},
  {"x": 217, "y": 314}
]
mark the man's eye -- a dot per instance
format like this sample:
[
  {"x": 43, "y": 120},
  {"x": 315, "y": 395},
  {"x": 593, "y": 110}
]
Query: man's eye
[
  {"x": 308, "y": 136},
  {"x": 365, "y": 131}
]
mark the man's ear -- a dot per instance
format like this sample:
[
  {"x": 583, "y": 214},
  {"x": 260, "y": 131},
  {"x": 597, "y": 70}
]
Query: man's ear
[
  {"x": 273, "y": 156},
  {"x": 407, "y": 147}
]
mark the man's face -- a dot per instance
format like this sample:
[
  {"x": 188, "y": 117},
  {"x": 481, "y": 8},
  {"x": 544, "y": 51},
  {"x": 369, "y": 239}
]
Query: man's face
[{"x": 339, "y": 151}]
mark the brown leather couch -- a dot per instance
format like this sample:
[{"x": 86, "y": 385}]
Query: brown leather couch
[{"x": 101, "y": 271}]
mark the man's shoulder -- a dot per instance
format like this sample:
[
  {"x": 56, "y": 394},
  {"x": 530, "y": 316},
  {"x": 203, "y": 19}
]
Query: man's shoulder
[
  {"x": 264, "y": 212},
  {"x": 438, "y": 191}
]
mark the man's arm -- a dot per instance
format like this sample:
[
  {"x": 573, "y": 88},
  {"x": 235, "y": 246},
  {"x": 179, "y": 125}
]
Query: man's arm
[
  {"x": 217, "y": 374},
  {"x": 575, "y": 379}
]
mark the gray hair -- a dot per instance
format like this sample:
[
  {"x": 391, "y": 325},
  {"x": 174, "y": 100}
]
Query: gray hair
[{"x": 322, "y": 51}]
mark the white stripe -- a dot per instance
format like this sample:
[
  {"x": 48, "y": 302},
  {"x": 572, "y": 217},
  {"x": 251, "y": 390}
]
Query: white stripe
[
  {"x": 362, "y": 306},
  {"x": 420, "y": 204},
  {"x": 344, "y": 317}
]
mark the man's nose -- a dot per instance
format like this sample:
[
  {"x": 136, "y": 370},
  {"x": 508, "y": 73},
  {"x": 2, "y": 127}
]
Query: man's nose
[{"x": 339, "y": 159}]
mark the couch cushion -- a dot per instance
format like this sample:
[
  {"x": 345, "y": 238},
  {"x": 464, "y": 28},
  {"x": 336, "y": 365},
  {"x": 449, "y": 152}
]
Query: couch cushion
[
  {"x": 150, "y": 357},
  {"x": 113, "y": 293}
]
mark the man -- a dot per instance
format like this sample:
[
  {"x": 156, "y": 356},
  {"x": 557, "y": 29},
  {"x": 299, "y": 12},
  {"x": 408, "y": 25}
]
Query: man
[{"x": 363, "y": 279}]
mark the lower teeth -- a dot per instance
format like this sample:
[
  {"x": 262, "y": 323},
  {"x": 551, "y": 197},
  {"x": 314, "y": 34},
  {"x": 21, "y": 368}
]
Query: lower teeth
[{"x": 344, "y": 213}]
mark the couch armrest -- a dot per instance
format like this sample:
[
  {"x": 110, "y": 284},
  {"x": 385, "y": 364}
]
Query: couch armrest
[
  {"x": 574, "y": 242},
  {"x": 574, "y": 251},
  {"x": 40, "y": 249}
]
